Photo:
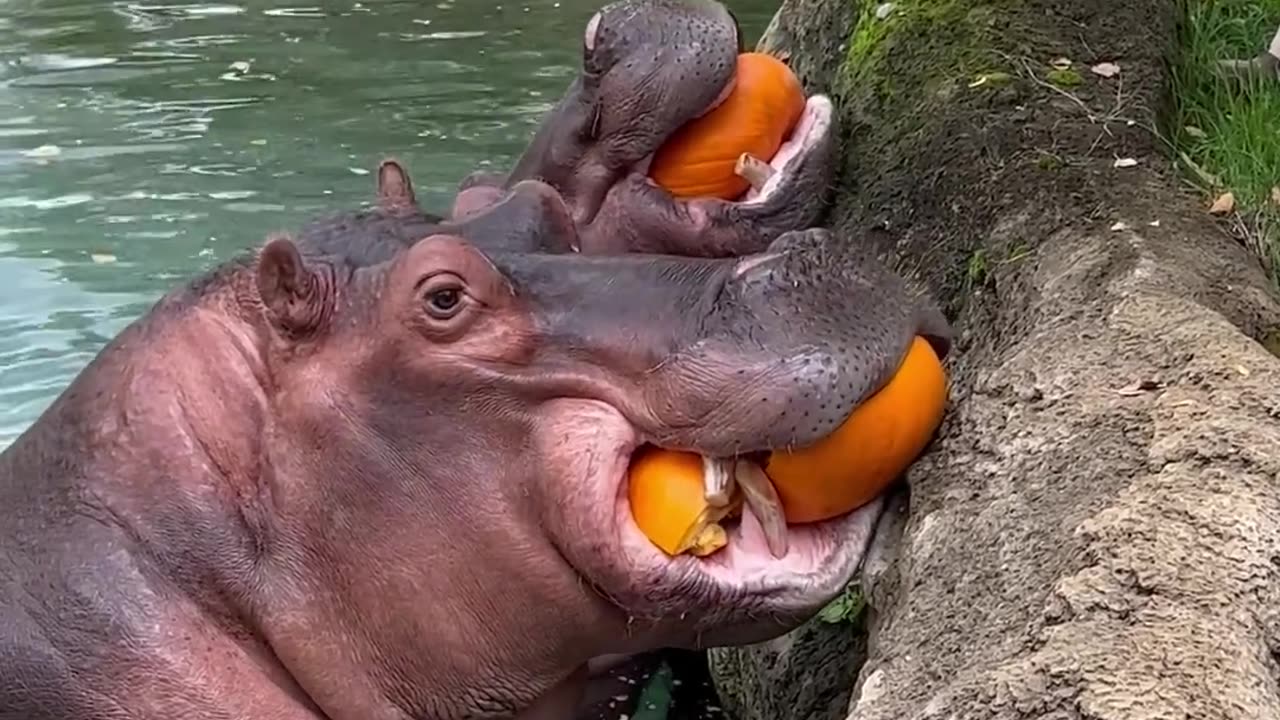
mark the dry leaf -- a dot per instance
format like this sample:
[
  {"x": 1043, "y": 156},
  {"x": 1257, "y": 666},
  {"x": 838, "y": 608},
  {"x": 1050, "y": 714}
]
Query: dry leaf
[
  {"x": 1120, "y": 225},
  {"x": 883, "y": 10},
  {"x": 1195, "y": 132},
  {"x": 1125, "y": 162},
  {"x": 1060, "y": 63},
  {"x": 1225, "y": 203},
  {"x": 1275, "y": 195},
  {"x": 1243, "y": 370},
  {"x": 1139, "y": 386},
  {"x": 1106, "y": 69}
]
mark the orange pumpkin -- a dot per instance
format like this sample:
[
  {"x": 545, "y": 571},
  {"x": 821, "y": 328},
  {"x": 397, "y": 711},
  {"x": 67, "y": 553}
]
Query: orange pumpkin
[
  {"x": 668, "y": 502},
  {"x": 873, "y": 446},
  {"x": 761, "y": 110},
  {"x": 836, "y": 475}
]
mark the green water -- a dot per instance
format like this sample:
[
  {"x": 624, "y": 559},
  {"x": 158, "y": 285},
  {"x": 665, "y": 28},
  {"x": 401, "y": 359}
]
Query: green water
[{"x": 141, "y": 142}]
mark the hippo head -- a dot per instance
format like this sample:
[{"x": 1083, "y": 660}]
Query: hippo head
[
  {"x": 451, "y": 432},
  {"x": 648, "y": 68}
]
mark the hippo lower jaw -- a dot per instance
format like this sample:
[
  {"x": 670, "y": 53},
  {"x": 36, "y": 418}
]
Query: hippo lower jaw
[{"x": 741, "y": 593}]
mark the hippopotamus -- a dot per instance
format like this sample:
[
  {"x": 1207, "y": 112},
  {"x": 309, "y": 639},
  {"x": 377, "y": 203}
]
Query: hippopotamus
[
  {"x": 649, "y": 67},
  {"x": 350, "y": 475}
]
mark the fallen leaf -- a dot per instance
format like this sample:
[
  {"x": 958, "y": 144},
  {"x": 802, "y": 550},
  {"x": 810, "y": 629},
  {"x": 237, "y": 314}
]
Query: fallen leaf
[
  {"x": 883, "y": 10},
  {"x": 1225, "y": 203},
  {"x": 1138, "y": 387},
  {"x": 1195, "y": 132},
  {"x": 1275, "y": 195},
  {"x": 1106, "y": 69},
  {"x": 1120, "y": 225},
  {"x": 1125, "y": 162},
  {"x": 1242, "y": 370},
  {"x": 1060, "y": 63}
]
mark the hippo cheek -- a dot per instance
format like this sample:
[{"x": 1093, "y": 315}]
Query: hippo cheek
[{"x": 739, "y": 594}]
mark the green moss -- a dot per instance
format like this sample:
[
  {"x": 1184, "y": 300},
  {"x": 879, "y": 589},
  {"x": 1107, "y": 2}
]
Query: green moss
[
  {"x": 1065, "y": 77},
  {"x": 976, "y": 270},
  {"x": 1049, "y": 162},
  {"x": 846, "y": 607},
  {"x": 955, "y": 35}
]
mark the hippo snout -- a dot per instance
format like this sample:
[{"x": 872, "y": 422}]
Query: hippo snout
[{"x": 794, "y": 340}]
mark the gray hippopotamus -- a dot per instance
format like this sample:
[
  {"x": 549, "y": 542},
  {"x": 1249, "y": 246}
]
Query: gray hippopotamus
[
  {"x": 649, "y": 67},
  {"x": 350, "y": 475}
]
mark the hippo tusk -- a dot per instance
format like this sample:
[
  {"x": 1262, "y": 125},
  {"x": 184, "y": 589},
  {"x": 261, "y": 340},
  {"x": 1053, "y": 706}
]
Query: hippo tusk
[
  {"x": 754, "y": 170},
  {"x": 762, "y": 498},
  {"x": 717, "y": 477}
]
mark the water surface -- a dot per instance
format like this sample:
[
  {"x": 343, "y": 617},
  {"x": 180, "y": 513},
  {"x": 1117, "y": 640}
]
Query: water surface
[{"x": 141, "y": 142}]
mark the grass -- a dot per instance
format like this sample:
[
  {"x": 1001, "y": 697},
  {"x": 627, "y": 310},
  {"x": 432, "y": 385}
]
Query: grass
[{"x": 1229, "y": 128}]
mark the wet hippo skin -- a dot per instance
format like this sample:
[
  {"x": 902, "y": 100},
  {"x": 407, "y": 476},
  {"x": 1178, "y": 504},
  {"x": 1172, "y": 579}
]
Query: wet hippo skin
[
  {"x": 648, "y": 67},
  {"x": 352, "y": 476}
]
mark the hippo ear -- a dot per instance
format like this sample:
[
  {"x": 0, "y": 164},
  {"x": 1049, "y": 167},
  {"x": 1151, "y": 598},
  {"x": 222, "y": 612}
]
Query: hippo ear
[
  {"x": 296, "y": 297},
  {"x": 395, "y": 189}
]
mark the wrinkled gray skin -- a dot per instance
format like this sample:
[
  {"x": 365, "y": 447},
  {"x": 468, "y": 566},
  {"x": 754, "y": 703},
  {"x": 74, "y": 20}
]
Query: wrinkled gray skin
[
  {"x": 649, "y": 67},
  {"x": 351, "y": 477}
]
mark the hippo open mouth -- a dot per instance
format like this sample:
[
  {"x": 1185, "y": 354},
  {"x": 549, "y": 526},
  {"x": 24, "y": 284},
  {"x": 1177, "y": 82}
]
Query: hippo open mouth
[
  {"x": 749, "y": 558},
  {"x": 807, "y": 138},
  {"x": 739, "y": 593}
]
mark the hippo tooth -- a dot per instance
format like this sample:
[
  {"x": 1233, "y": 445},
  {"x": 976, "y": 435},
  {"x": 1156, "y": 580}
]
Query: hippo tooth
[
  {"x": 760, "y": 495},
  {"x": 754, "y": 170},
  {"x": 717, "y": 477}
]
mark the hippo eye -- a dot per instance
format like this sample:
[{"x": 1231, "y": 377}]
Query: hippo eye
[
  {"x": 444, "y": 296},
  {"x": 444, "y": 302}
]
